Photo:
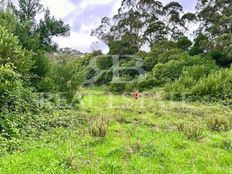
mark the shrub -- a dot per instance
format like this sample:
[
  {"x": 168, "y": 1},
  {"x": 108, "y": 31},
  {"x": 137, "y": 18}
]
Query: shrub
[
  {"x": 157, "y": 52},
  {"x": 125, "y": 46},
  {"x": 221, "y": 58},
  {"x": 173, "y": 54},
  {"x": 191, "y": 75},
  {"x": 64, "y": 77},
  {"x": 193, "y": 130},
  {"x": 226, "y": 144},
  {"x": 130, "y": 87},
  {"x": 219, "y": 123},
  {"x": 14, "y": 96},
  {"x": 117, "y": 87},
  {"x": 203, "y": 83},
  {"x": 104, "y": 62},
  {"x": 217, "y": 86},
  {"x": 16, "y": 102},
  {"x": 147, "y": 84},
  {"x": 199, "y": 46},
  {"x": 172, "y": 70},
  {"x": 40, "y": 69},
  {"x": 98, "y": 127},
  {"x": 180, "y": 126},
  {"x": 184, "y": 44},
  {"x": 105, "y": 78},
  {"x": 12, "y": 53},
  {"x": 46, "y": 84}
]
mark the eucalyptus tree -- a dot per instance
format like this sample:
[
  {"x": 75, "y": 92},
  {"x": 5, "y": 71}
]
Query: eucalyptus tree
[
  {"x": 215, "y": 17},
  {"x": 187, "y": 19},
  {"x": 155, "y": 28},
  {"x": 103, "y": 32},
  {"x": 129, "y": 21},
  {"x": 173, "y": 11}
]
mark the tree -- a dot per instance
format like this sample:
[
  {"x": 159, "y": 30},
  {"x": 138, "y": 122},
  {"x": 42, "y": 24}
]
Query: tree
[
  {"x": 152, "y": 14},
  {"x": 3, "y": 5},
  {"x": 125, "y": 46},
  {"x": 172, "y": 16},
  {"x": 187, "y": 19},
  {"x": 12, "y": 53},
  {"x": 199, "y": 44},
  {"x": 28, "y": 9},
  {"x": 103, "y": 31},
  {"x": 35, "y": 36},
  {"x": 184, "y": 43},
  {"x": 157, "y": 50},
  {"x": 215, "y": 19},
  {"x": 128, "y": 20},
  {"x": 147, "y": 21},
  {"x": 48, "y": 28},
  {"x": 215, "y": 16}
]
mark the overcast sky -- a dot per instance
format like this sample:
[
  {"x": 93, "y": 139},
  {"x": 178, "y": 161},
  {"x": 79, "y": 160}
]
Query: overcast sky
[{"x": 84, "y": 15}]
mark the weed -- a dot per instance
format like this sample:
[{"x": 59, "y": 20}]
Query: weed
[
  {"x": 219, "y": 123},
  {"x": 98, "y": 127},
  {"x": 226, "y": 144},
  {"x": 180, "y": 126},
  {"x": 193, "y": 131}
]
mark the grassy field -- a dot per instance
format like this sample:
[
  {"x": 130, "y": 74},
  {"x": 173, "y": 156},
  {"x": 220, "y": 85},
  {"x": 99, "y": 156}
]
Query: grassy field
[{"x": 145, "y": 136}]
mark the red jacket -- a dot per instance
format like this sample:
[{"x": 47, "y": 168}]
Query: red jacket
[{"x": 136, "y": 95}]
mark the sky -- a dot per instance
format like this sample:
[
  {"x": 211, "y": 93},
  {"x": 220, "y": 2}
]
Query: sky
[{"x": 85, "y": 15}]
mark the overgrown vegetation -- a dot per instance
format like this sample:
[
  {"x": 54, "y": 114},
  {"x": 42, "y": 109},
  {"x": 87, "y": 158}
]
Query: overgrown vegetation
[{"x": 185, "y": 85}]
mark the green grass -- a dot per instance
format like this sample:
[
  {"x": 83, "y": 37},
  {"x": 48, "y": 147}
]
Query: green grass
[{"x": 142, "y": 137}]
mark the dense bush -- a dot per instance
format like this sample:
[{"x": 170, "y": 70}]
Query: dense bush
[
  {"x": 216, "y": 86},
  {"x": 199, "y": 45},
  {"x": 8, "y": 21},
  {"x": 14, "y": 96},
  {"x": 61, "y": 77},
  {"x": 191, "y": 75},
  {"x": 105, "y": 78},
  {"x": 184, "y": 44},
  {"x": 158, "y": 53},
  {"x": 125, "y": 46},
  {"x": 64, "y": 77},
  {"x": 221, "y": 58},
  {"x": 147, "y": 84},
  {"x": 171, "y": 71},
  {"x": 16, "y": 101},
  {"x": 117, "y": 87},
  {"x": 104, "y": 62},
  {"x": 172, "y": 54},
  {"x": 41, "y": 65},
  {"x": 11, "y": 52}
]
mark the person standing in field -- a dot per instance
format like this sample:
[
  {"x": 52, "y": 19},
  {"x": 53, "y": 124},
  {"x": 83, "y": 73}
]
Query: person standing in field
[{"x": 136, "y": 95}]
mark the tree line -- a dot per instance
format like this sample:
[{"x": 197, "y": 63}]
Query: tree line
[{"x": 140, "y": 22}]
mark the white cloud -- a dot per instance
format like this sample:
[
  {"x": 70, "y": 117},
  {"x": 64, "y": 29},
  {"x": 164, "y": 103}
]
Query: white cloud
[
  {"x": 79, "y": 41},
  {"x": 60, "y": 8},
  {"x": 86, "y": 3}
]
